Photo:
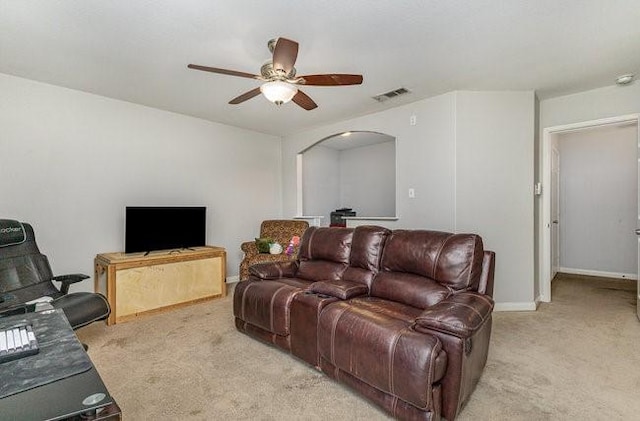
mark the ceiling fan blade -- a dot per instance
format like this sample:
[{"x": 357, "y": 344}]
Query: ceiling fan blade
[
  {"x": 284, "y": 55},
  {"x": 331, "y": 80},
  {"x": 223, "y": 71},
  {"x": 245, "y": 96},
  {"x": 304, "y": 101}
]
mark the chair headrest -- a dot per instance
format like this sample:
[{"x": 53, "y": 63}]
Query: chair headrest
[{"x": 11, "y": 232}]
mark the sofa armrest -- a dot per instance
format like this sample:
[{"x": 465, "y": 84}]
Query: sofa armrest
[
  {"x": 460, "y": 315},
  {"x": 487, "y": 274},
  {"x": 249, "y": 248},
  {"x": 339, "y": 289},
  {"x": 274, "y": 270}
]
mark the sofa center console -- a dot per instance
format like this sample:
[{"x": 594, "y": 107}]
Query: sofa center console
[{"x": 305, "y": 314}]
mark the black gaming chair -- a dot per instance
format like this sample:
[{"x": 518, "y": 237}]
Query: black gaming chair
[{"x": 25, "y": 275}]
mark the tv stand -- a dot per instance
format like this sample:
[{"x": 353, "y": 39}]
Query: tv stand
[{"x": 142, "y": 283}]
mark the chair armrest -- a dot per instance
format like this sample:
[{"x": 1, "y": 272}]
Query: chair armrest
[
  {"x": 273, "y": 270},
  {"x": 339, "y": 289},
  {"x": 459, "y": 315},
  {"x": 249, "y": 248},
  {"x": 69, "y": 279}
]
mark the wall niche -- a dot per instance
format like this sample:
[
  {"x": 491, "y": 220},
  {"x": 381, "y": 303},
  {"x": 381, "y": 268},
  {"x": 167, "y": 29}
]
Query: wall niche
[{"x": 355, "y": 170}]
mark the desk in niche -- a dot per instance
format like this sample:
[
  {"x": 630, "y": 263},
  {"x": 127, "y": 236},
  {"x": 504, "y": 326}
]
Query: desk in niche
[{"x": 135, "y": 284}]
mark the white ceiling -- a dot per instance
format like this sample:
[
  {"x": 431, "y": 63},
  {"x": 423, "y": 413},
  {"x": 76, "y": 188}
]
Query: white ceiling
[{"x": 138, "y": 51}]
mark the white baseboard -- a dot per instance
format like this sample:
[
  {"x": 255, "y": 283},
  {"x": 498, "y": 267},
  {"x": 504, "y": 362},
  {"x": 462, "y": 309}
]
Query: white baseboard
[
  {"x": 603, "y": 274},
  {"x": 523, "y": 306},
  {"x": 233, "y": 279}
]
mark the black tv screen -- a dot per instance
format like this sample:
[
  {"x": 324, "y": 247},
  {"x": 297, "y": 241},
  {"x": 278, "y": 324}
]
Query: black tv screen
[{"x": 149, "y": 228}]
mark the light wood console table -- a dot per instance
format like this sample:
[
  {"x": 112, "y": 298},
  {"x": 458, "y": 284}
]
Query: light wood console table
[{"x": 135, "y": 284}]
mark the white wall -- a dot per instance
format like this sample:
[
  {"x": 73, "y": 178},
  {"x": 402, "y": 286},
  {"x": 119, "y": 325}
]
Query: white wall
[
  {"x": 368, "y": 179},
  {"x": 494, "y": 185},
  {"x": 72, "y": 161},
  {"x": 600, "y": 103},
  {"x": 599, "y": 200},
  {"x": 424, "y": 154},
  {"x": 470, "y": 160},
  {"x": 321, "y": 182}
]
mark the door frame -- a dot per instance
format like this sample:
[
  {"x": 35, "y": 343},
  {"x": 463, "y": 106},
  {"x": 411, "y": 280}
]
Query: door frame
[
  {"x": 545, "y": 226},
  {"x": 555, "y": 203}
]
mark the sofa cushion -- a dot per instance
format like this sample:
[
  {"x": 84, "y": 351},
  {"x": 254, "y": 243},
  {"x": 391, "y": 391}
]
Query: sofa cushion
[
  {"x": 453, "y": 260},
  {"x": 271, "y": 269},
  {"x": 387, "y": 308},
  {"x": 381, "y": 350},
  {"x": 324, "y": 253},
  {"x": 407, "y": 288},
  {"x": 296, "y": 282},
  {"x": 366, "y": 253},
  {"x": 324, "y": 243}
]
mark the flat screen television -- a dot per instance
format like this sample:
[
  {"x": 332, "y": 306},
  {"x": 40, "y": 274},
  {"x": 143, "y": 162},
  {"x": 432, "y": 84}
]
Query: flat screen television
[{"x": 150, "y": 228}]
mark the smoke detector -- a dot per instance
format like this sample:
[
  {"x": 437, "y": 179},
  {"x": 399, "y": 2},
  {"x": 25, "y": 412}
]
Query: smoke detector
[{"x": 625, "y": 79}]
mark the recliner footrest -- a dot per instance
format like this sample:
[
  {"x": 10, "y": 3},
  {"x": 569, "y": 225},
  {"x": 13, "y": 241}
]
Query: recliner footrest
[
  {"x": 382, "y": 351},
  {"x": 265, "y": 304}
]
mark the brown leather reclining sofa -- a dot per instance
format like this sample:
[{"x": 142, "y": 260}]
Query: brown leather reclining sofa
[{"x": 403, "y": 317}]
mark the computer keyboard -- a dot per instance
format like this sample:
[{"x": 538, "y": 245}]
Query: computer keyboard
[{"x": 17, "y": 342}]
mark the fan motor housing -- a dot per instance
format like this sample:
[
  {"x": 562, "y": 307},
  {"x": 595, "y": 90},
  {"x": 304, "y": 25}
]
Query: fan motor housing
[{"x": 268, "y": 72}]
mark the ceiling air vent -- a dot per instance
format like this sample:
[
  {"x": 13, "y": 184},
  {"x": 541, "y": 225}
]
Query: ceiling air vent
[{"x": 391, "y": 94}]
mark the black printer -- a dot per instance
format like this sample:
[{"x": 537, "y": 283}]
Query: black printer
[{"x": 337, "y": 217}]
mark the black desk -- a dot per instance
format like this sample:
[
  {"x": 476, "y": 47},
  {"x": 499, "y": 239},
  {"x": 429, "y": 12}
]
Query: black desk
[{"x": 59, "y": 382}]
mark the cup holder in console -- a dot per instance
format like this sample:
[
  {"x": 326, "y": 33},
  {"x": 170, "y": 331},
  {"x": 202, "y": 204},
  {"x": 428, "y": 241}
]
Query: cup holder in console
[{"x": 317, "y": 294}]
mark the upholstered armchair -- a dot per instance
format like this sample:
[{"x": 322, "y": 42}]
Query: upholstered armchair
[{"x": 280, "y": 231}]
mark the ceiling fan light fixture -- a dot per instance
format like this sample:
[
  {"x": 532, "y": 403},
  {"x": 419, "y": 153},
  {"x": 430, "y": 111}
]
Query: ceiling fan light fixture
[
  {"x": 278, "y": 92},
  {"x": 279, "y": 77}
]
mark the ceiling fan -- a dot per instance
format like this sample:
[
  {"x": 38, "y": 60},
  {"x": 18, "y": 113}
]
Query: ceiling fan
[{"x": 280, "y": 77}]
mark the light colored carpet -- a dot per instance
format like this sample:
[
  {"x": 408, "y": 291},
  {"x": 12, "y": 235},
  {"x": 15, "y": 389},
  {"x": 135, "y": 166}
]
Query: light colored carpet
[{"x": 574, "y": 359}]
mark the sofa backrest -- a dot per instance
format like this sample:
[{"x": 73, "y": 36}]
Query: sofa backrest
[
  {"x": 420, "y": 268},
  {"x": 282, "y": 230},
  {"x": 324, "y": 253},
  {"x": 366, "y": 253}
]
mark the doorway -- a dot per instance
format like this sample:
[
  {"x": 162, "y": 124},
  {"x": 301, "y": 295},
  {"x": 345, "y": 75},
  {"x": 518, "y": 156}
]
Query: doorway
[{"x": 549, "y": 225}]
